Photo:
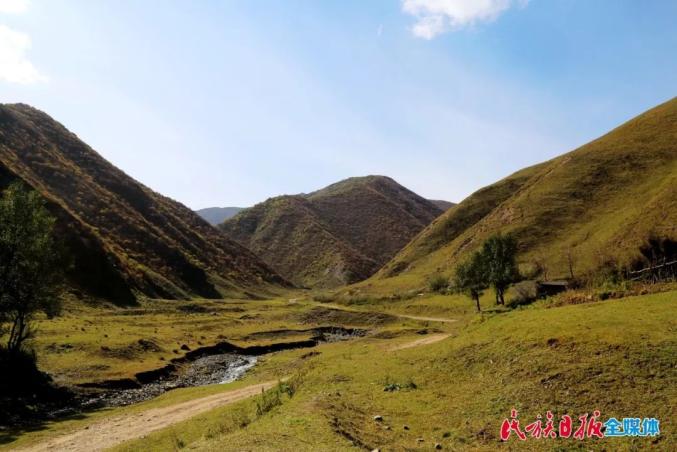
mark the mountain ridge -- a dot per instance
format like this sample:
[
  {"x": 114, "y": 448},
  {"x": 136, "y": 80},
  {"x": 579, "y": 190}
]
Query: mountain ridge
[
  {"x": 217, "y": 215},
  {"x": 340, "y": 233},
  {"x": 595, "y": 205},
  {"x": 156, "y": 246}
]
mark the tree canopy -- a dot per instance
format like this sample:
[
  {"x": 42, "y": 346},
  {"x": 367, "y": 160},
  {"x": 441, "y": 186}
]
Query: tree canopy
[
  {"x": 470, "y": 278},
  {"x": 494, "y": 264},
  {"x": 499, "y": 258},
  {"x": 31, "y": 263}
]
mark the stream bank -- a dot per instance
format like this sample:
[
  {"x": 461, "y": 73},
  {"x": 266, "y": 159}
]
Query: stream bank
[{"x": 223, "y": 362}]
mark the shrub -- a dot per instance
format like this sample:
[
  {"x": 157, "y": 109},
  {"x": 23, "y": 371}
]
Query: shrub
[
  {"x": 240, "y": 418},
  {"x": 274, "y": 397},
  {"x": 525, "y": 292},
  {"x": 390, "y": 385},
  {"x": 438, "y": 284},
  {"x": 324, "y": 298},
  {"x": 268, "y": 400}
]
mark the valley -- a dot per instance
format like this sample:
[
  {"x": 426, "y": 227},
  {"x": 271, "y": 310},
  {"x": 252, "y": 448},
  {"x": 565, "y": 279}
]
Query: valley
[
  {"x": 360, "y": 316},
  {"x": 467, "y": 374}
]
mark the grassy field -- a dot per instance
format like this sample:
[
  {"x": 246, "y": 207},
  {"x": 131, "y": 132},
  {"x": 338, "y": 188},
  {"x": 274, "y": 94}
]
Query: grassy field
[
  {"x": 616, "y": 356},
  {"x": 88, "y": 344}
]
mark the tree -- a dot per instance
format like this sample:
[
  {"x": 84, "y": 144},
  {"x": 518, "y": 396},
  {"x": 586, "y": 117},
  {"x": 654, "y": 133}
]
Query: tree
[
  {"x": 470, "y": 278},
  {"x": 31, "y": 264},
  {"x": 499, "y": 256}
]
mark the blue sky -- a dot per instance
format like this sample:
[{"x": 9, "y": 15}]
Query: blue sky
[{"x": 220, "y": 103}]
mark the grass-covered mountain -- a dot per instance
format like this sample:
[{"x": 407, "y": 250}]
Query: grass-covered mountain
[
  {"x": 444, "y": 205},
  {"x": 124, "y": 239},
  {"x": 597, "y": 204},
  {"x": 217, "y": 215},
  {"x": 340, "y": 234}
]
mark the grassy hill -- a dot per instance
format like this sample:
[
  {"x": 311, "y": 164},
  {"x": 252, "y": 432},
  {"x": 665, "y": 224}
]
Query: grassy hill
[
  {"x": 340, "y": 234},
  {"x": 597, "y": 204},
  {"x": 444, "y": 205},
  {"x": 217, "y": 215},
  {"x": 125, "y": 239}
]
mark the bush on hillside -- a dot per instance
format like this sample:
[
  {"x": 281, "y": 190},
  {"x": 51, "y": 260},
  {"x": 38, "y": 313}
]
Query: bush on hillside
[
  {"x": 525, "y": 292},
  {"x": 438, "y": 284}
]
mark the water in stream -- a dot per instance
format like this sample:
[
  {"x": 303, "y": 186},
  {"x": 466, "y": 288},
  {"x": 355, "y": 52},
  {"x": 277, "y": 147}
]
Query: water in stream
[
  {"x": 209, "y": 369},
  {"x": 223, "y": 368}
]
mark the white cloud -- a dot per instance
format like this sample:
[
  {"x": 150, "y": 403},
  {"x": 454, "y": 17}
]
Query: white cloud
[
  {"x": 14, "y": 64},
  {"x": 14, "y": 6},
  {"x": 435, "y": 17}
]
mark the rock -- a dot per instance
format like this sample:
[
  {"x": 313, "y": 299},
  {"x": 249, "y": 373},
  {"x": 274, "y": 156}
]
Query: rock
[
  {"x": 378, "y": 418},
  {"x": 438, "y": 446},
  {"x": 419, "y": 440},
  {"x": 376, "y": 450},
  {"x": 406, "y": 427},
  {"x": 387, "y": 427}
]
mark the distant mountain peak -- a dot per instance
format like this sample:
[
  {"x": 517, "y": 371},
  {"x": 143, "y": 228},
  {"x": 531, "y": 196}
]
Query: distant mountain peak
[
  {"x": 217, "y": 215},
  {"x": 336, "y": 235}
]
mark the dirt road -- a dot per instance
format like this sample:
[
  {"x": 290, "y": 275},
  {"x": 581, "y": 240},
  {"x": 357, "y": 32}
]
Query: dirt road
[
  {"x": 403, "y": 316},
  {"x": 113, "y": 431},
  {"x": 431, "y": 339},
  {"x": 427, "y": 319},
  {"x": 110, "y": 432}
]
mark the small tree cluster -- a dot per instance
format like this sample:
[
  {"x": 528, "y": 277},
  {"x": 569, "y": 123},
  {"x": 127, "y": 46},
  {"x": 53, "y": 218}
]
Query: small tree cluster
[
  {"x": 31, "y": 264},
  {"x": 494, "y": 265},
  {"x": 470, "y": 279}
]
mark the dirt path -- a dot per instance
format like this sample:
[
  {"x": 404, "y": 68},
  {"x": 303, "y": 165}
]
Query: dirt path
[
  {"x": 427, "y": 319},
  {"x": 431, "y": 339},
  {"x": 110, "y": 432},
  {"x": 403, "y": 316}
]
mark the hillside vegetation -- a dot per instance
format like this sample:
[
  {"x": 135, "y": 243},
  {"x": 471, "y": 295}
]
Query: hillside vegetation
[
  {"x": 124, "y": 239},
  {"x": 338, "y": 235},
  {"x": 592, "y": 207}
]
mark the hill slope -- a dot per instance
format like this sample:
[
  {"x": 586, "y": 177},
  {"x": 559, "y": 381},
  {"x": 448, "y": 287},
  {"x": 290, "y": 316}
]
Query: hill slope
[
  {"x": 598, "y": 203},
  {"x": 125, "y": 238},
  {"x": 340, "y": 234},
  {"x": 217, "y": 215},
  {"x": 444, "y": 205}
]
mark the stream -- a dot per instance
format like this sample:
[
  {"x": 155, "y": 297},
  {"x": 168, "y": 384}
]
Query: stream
[
  {"x": 223, "y": 368},
  {"x": 220, "y": 363}
]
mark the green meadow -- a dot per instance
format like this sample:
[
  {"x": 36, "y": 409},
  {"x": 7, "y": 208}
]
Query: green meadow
[{"x": 615, "y": 356}]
